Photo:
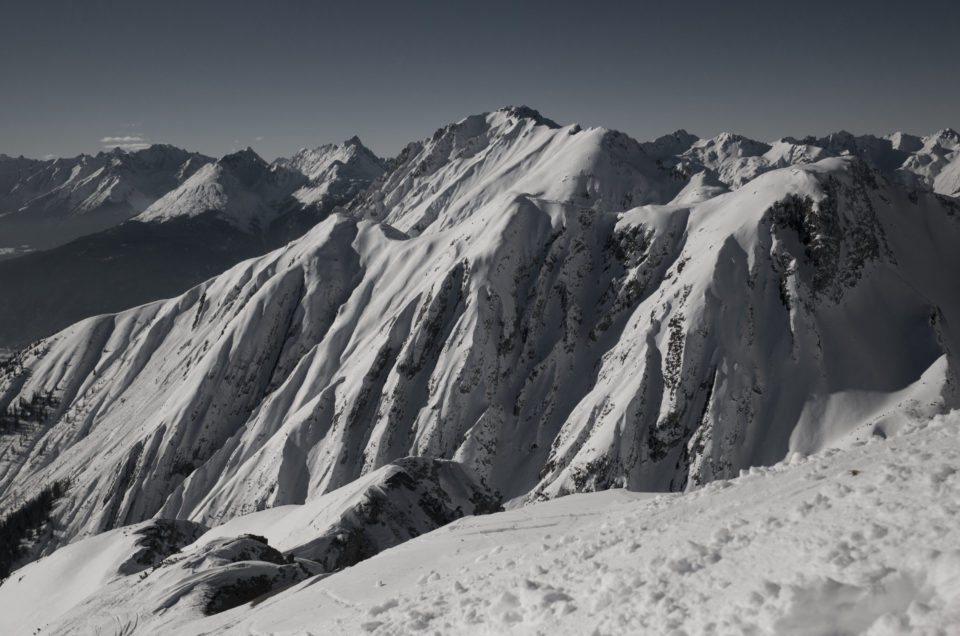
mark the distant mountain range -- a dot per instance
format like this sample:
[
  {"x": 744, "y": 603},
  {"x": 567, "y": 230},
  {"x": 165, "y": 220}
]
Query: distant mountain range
[{"x": 203, "y": 217}]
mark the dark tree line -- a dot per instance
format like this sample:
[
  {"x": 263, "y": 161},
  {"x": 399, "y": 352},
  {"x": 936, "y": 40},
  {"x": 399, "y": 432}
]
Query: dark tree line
[
  {"x": 25, "y": 521},
  {"x": 37, "y": 409}
]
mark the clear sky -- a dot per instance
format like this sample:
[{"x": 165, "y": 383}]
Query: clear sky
[{"x": 212, "y": 76}]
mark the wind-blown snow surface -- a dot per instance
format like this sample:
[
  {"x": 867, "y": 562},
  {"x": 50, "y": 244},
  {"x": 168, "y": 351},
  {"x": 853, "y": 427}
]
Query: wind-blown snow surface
[
  {"x": 546, "y": 305},
  {"x": 859, "y": 540}
]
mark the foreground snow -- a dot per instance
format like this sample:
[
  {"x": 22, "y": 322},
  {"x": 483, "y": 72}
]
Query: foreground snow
[
  {"x": 858, "y": 541},
  {"x": 862, "y": 540}
]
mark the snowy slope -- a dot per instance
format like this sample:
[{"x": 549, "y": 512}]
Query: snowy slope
[
  {"x": 935, "y": 164},
  {"x": 161, "y": 572},
  {"x": 495, "y": 299},
  {"x": 928, "y": 163},
  {"x": 861, "y": 540},
  {"x": 47, "y": 203}
]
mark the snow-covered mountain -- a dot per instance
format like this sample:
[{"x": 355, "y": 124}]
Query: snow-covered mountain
[
  {"x": 930, "y": 163},
  {"x": 334, "y": 172},
  {"x": 934, "y": 161},
  {"x": 47, "y": 203},
  {"x": 240, "y": 188},
  {"x": 548, "y": 309}
]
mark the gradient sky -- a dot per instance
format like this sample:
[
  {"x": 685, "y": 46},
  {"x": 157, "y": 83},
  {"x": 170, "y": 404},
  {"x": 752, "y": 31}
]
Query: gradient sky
[{"x": 213, "y": 76}]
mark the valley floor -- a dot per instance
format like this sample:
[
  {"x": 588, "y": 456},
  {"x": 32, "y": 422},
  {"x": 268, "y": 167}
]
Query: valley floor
[{"x": 863, "y": 540}]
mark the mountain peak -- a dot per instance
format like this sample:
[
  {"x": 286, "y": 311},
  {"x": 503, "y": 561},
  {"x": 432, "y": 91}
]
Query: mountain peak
[
  {"x": 525, "y": 112},
  {"x": 665, "y": 146},
  {"x": 947, "y": 134},
  {"x": 245, "y": 157}
]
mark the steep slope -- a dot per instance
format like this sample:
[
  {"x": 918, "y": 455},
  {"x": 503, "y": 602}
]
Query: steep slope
[
  {"x": 493, "y": 300},
  {"x": 47, "y": 203}
]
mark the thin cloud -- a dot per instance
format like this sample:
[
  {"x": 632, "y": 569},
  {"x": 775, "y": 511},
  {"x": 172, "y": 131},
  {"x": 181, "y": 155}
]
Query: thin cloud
[
  {"x": 126, "y": 142},
  {"x": 126, "y": 139}
]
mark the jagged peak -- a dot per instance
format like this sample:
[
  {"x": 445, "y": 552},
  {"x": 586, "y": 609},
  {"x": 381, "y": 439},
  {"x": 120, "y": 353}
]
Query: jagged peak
[
  {"x": 841, "y": 134},
  {"x": 728, "y": 140},
  {"x": 671, "y": 144},
  {"x": 165, "y": 148},
  {"x": 680, "y": 133},
  {"x": 353, "y": 143},
  {"x": 116, "y": 151},
  {"x": 351, "y": 155},
  {"x": 245, "y": 157},
  {"x": 726, "y": 137},
  {"x": 947, "y": 132},
  {"x": 525, "y": 112}
]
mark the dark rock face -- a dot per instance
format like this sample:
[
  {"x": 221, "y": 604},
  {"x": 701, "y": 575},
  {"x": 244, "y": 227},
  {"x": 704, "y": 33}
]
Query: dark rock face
[
  {"x": 159, "y": 540},
  {"x": 416, "y": 496}
]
